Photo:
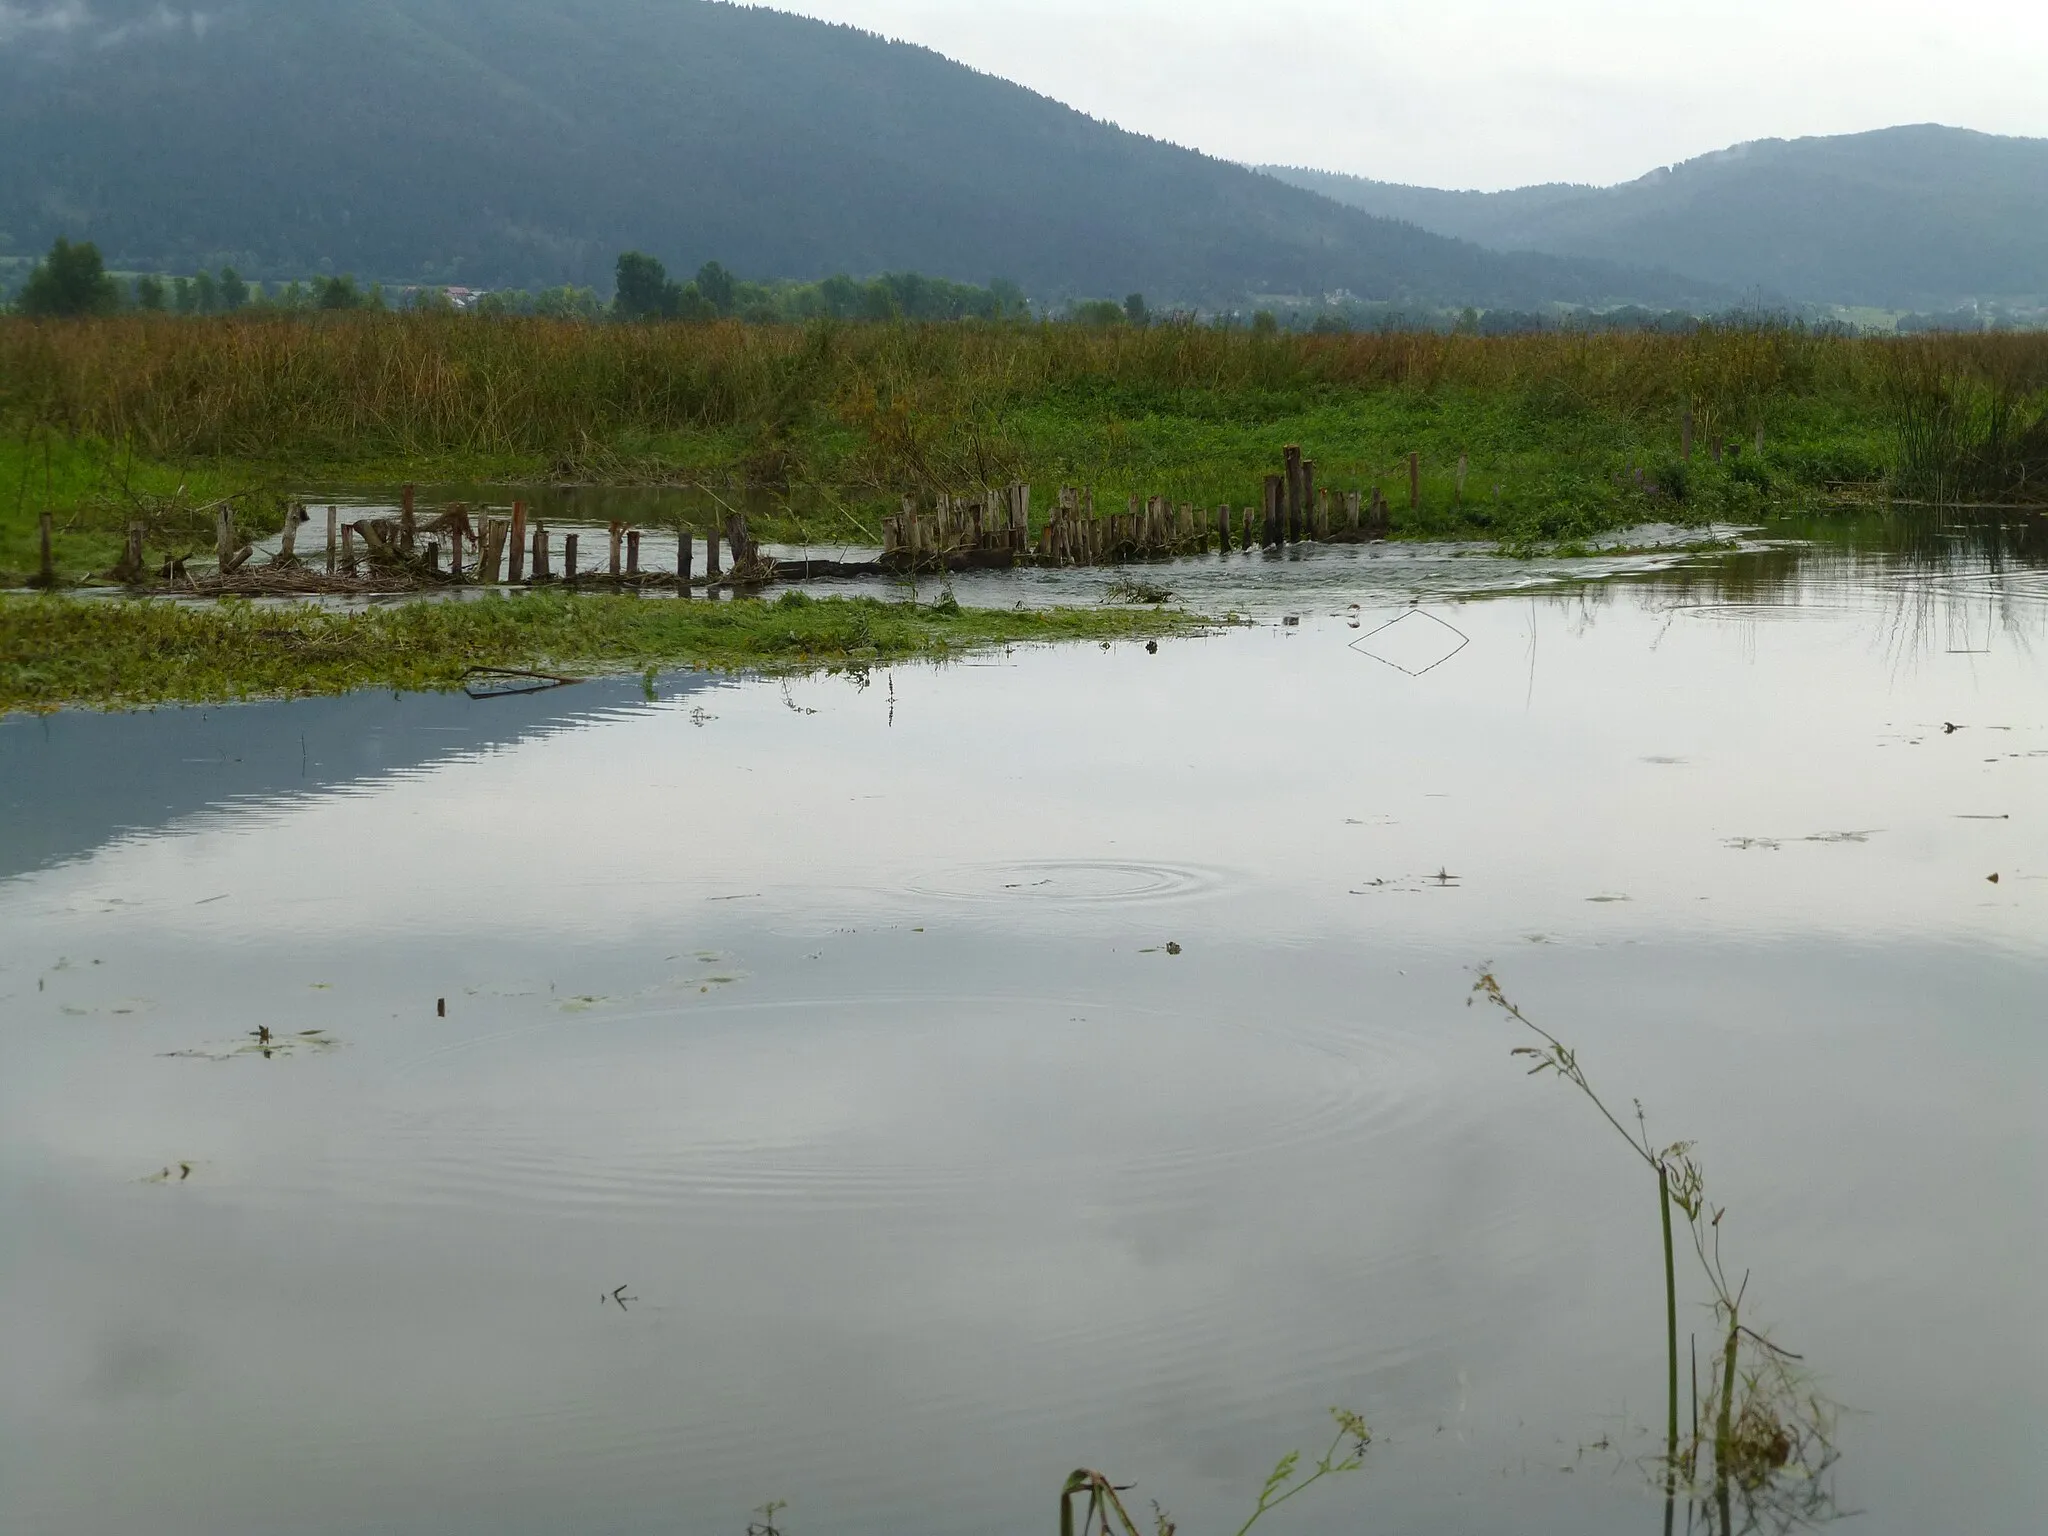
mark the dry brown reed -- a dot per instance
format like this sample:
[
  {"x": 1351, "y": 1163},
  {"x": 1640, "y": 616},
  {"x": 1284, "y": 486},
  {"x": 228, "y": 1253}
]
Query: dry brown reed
[{"x": 422, "y": 384}]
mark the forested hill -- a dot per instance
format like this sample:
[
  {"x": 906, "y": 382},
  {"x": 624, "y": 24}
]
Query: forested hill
[
  {"x": 1918, "y": 217},
  {"x": 529, "y": 141}
]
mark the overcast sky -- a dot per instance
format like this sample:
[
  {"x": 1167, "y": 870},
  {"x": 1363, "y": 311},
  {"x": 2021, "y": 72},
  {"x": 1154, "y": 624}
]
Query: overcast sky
[{"x": 1495, "y": 93}]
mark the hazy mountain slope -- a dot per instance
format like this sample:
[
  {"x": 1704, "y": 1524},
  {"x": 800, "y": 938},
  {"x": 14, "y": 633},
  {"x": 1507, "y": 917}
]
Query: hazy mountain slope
[
  {"x": 1909, "y": 217},
  {"x": 530, "y": 140}
]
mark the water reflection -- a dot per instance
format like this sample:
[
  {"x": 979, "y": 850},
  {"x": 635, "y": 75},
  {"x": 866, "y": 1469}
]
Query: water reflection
[{"x": 1057, "y": 1061}]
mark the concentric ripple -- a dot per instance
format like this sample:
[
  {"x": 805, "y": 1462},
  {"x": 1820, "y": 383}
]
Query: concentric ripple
[
  {"x": 1064, "y": 882},
  {"x": 900, "y": 1105}
]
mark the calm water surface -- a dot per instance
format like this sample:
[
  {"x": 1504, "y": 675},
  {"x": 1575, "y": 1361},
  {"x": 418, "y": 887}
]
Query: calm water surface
[{"x": 834, "y": 1022}]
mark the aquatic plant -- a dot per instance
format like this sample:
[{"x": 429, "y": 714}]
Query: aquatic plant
[
  {"x": 1770, "y": 1429},
  {"x": 1346, "y": 1453}
]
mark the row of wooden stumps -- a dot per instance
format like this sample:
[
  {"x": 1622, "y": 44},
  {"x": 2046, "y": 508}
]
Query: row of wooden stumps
[
  {"x": 994, "y": 530},
  {"x": 408, "y": 550}
]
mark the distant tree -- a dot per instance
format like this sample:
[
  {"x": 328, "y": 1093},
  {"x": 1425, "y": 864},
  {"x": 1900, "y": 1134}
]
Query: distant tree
[
  {"x": 1134, "y": 309},
  {"x": 841, "y": 295},
  {"x": 292, "y": 296},
  {"x": 71, "y": 281},
  {"x": 687, "y": 302},
  {"x": 205, "y": 293},
  {"x": 181, "y": 295},
  {"x": 1265, "y": 323},
  {"x": 337, "y": 292},
  {"x": 642, "y": 289},
  {"x": 718, "y": 286},
  {"x": 877, "y": 302},
  {"x": 1009, "y": 300},
  {"x": 234, "y": 293},
  {"x": 149, "y": 293},
  {"x": 1098, "y": 312}
]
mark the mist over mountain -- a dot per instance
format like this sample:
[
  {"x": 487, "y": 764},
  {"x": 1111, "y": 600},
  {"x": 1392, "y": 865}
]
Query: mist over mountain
[
  {"x": 527, "y": 142},
  {"x": 1920, "y": 217}
]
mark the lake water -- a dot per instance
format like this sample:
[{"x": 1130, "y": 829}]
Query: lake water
[{"x": 833, "y": 1025}]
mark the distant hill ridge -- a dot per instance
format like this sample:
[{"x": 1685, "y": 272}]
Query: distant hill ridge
[
  {"x": 527, "y": 142},
  {"x": 1911, "y": 217}
]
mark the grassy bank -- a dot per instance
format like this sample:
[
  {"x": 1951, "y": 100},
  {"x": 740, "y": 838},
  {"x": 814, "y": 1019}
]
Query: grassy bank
[
  {"x": 57, "y": 651},
  {"x": 101, "y": 418}
]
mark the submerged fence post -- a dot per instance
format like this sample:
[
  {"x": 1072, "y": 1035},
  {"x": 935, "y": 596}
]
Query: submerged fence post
[
  {"x": 711, "y": 566},
  {"x": 348, "y": 548},
  {"x": 633, "y": 552},
  {"x": 333, "y": 517},
  {"x": 224, "y": 535},
  {"x": 406, "y": 531},
  {"x": 540, "y": 552},
  {"x": 516, "y": 572},
  {"x": 1275, "y": 513},
  {"x": 131, "y": 558},
  {"x": 568, "y": 558},
  {"x": 618, "y": 533}
]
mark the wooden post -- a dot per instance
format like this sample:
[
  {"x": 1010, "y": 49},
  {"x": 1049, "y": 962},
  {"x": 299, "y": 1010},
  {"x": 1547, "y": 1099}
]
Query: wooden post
[
  {"x": 686, "y": 556},
  {"x": 516, "y": 548},
  {"x": 434, "y": 556},
  {"x": 288, "y": 540},
  {"x": 1351, "y": 511},
  {"x": 633, "y": 552},
  {"x": 455, "y": 547},
  {"x": 540, "y": 552},
  {"x": 711, "y": 566},
  {"x": 1714, "y": 446},
  {"x": 406, "y": 532},
  {"x": 224, "y": 536},
  {"x": 46, "y": 571},
  {"x": 1291, "y": 458},
  {"x": 1223, "y": 529},
  {"x": 618, "y": 533},
  {"x": 1414, "y": 481},
  {"x": 568, "y": 558},
  {"x": 1308, "y": 498},
  {"x": 1275, "y": 512},
  {"x": 490, "y": 551},
  {"x": 348, "y": 548},
  {"x": 1463, "y": 464},
  {"x": 131, "y": 560},
  {"x": 1685, "y": 434}
]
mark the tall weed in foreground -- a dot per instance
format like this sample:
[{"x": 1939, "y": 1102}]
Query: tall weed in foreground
[{"x": 1768, "y": 1429}]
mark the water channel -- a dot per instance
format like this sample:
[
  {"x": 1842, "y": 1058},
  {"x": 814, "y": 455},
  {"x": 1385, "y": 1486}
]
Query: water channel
[{"x": 886, "y": 1093}]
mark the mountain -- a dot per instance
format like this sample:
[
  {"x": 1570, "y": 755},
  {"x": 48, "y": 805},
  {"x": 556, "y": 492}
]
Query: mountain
[
  {"x": 1919, "y": 217},
  {"x": 529, "y": 141}
]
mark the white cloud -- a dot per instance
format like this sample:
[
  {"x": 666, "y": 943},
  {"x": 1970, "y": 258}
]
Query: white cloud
[
  {"x": 1491, "y": 93},
  {"x": 72, "y": 21}
]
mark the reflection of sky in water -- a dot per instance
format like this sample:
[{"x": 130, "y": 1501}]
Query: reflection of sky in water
[{"x": 849, "y": 1042}]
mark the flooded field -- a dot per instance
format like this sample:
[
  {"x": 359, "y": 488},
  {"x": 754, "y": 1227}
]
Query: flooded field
[{"x": 601, "y": 1112}]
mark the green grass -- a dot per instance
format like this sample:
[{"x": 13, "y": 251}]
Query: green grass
[
  {"x": 58, "y": 651},
  {"x": 837, "y": 422}
]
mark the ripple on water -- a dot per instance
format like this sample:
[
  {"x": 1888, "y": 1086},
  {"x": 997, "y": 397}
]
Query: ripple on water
[
  {"x": 930, "y": 1108},
  {"x": 1064, "y": 882}
]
